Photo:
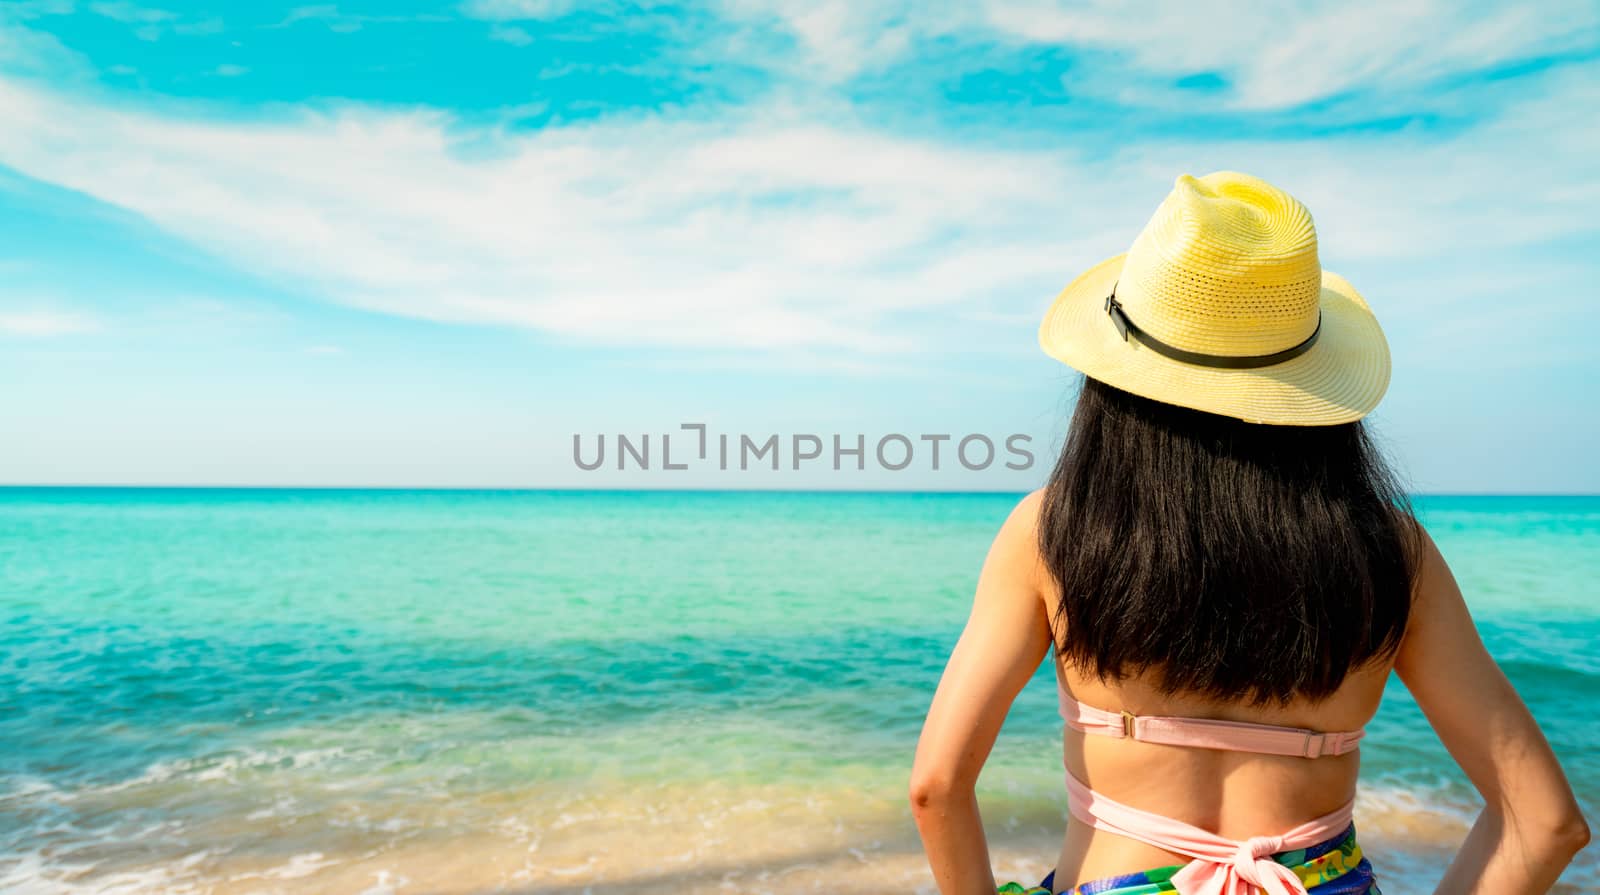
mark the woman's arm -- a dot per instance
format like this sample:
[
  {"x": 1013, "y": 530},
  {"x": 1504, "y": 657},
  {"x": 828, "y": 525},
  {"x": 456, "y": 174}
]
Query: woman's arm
[
  {"x": 1530, "y": 826},
  {"x": 1006, "y": 637}
]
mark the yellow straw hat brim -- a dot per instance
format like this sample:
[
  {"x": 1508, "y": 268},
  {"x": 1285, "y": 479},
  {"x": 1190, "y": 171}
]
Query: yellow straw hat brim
[{"x": 1340, "y": 378}]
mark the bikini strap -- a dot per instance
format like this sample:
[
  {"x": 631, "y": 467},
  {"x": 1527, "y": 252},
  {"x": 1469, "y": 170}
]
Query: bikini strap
[{"x": 1207, "y": 733}]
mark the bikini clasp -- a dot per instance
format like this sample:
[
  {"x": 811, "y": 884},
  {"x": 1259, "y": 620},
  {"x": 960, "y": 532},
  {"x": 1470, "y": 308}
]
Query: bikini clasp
[{"x": 1127, "y": 723}]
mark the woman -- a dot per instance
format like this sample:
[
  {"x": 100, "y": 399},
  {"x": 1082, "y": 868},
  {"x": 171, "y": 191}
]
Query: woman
[{"x": 1227, "y": 574}]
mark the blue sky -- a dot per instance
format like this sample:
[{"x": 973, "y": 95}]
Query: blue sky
[{"x": 426, "y": 244}]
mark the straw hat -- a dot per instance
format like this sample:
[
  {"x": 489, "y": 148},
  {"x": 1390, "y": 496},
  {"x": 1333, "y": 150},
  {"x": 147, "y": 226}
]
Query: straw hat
[{"x": 1222, "y": 306}]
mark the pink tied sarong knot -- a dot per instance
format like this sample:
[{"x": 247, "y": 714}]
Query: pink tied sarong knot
[
  {"x": 1220, "y": 866},
  {"x": 1250, "y": 870}
]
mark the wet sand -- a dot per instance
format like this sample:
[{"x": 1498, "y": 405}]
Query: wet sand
[{"x": 672, "y": 838}]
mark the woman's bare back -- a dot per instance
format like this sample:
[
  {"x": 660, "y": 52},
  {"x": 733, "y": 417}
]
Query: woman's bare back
[
  {"x": 1238, "y": 795},
  {"x": 1234, "y": 794}
]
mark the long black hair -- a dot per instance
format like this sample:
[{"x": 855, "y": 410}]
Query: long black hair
[{"x": 1234, "y": 560}]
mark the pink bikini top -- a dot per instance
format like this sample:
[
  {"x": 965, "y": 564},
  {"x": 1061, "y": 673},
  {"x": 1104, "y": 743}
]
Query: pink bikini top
[
  {"x": 1220, "y": 866},
  {"x": 1236, "y": 736}
]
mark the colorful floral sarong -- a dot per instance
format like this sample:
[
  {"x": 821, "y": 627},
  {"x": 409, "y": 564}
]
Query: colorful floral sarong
[{"x": 1335, "y": 867}]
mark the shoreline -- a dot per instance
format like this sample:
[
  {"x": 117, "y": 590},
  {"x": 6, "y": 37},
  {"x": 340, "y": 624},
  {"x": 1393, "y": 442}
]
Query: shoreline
[{"x": 576, "y": 837}]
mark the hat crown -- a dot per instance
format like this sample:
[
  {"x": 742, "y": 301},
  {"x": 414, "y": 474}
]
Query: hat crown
[{"x": 1227, "y": 265}]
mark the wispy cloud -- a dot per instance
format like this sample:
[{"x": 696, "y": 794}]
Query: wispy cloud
[
  {"x": 132, "y": 13},
  {"x": 342, "y": 22},
  {"x": 151, "y": 24},
  {"x": 1264, "y": 55},
  {"x": 27, "y": 50},
  {"x": 765, "y": 230},
  {"x": 1275, "y": 57},
  {"x": 517, "y": 9},
  {"x": 510, "y": 34},
  {"x": 804, "y": 225},
  {"x": 45, "y": 323},
  {"x": 841, "y": 38}
]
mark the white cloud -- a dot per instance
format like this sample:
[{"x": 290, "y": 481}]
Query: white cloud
[
  {"x": 309, "y": 13},
  {"x": 510, "y": 34},
  {"x": 346, "y": 23},
  {"x": 841, "y": 38},
  {"x": 1280, "y": 56},
  {"x": 132, "y": 13},
  {"x": 517, "y": 9},
  {"x": 151, "y": 24},
  {"x": 30, "y": 50},
  {"x": 1274, "y": 55},
  {"x": 44, "y": 323},
  {"x": 770, "y": 230}
]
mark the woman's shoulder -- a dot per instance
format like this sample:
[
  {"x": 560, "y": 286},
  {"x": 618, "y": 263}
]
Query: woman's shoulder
[
  {"x": 1016, "y": 546},
  {"x": 1021, "y": 527},
  {"x": 1027, "y": 510}
]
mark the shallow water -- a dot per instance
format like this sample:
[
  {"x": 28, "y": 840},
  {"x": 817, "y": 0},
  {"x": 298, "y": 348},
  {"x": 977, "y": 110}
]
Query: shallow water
[{"x": 314, "y": 691}]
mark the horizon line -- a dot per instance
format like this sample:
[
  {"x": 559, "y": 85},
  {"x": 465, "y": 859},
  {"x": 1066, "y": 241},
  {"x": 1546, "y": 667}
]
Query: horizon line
[{"x": 560, "y": 489}]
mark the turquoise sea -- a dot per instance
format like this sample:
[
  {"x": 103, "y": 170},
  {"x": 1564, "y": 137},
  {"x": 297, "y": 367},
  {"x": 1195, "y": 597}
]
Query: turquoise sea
[{"x": 565, "y": 692}]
